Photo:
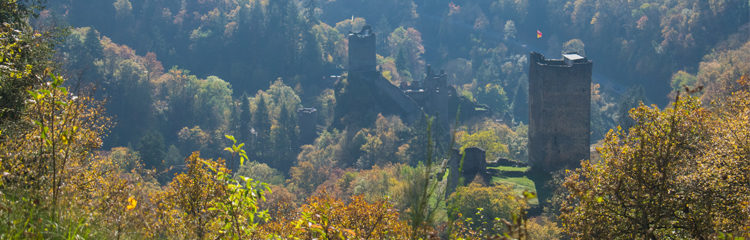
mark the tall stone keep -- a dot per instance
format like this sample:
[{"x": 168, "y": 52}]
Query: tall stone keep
[
  {"x": 362, "y": 51},
  {"x": 559, "y": 115}
]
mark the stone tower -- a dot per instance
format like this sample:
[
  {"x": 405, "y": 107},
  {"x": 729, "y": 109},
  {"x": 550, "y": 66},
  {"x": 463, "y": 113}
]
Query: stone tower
[
  {"x": 362, "y": 50},
  {"x": 559, "y": 115},
  {"x": 307, "y": 122}
]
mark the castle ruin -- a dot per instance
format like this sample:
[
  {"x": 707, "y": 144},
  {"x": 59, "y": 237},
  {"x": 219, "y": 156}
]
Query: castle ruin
[{"x": 365, "y": 92}]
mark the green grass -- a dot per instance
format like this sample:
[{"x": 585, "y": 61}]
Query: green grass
[
  {"x": 510, "y": 169},
  {"x": 522, "y": 183},
  {"x": 519, "y": 184}
]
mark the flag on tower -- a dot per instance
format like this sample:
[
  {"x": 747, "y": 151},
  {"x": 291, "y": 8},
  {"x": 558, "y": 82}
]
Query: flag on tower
[{"x": 538, "y": 34}]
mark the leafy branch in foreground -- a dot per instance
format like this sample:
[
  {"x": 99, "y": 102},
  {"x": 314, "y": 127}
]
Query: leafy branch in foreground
[{"x": 237, "y": 211}]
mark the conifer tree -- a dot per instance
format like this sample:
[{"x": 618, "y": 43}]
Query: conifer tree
[
  {"x": 262, "y": 128},
  {"x": 284, "y": 139},
  {"x": 245, "y": 118}
]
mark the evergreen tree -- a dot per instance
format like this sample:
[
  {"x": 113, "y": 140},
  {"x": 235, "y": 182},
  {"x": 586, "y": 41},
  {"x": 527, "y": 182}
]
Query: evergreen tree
[
  {"x": 284, "y": 138},
  {"x": 262, "y": 125},
  {"x": 310, "y": 6},
  {"x": 151, "y": 147},
  {"x": 245, "y": 118},
  {"x": 92, "y": 49}
]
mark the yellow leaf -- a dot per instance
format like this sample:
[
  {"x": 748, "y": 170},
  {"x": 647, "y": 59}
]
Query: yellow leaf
[
  {"x": 131, "y": 203},
  {"x": 315, "y": 226},
  {"x": 350, "y": 232}
]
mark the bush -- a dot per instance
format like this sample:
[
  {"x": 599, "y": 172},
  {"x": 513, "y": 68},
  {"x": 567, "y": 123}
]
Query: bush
[
  {"x": 260, "y": 172},
  {"x": 484, "y": 206}
]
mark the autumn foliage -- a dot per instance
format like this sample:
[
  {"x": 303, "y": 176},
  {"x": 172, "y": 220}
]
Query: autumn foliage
[{"x": 681, "y": 172}]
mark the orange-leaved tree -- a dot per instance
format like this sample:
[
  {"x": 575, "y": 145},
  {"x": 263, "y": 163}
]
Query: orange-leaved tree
[
  {"x": 681, "y": 172},
  {"x": 326, "y": 217}
]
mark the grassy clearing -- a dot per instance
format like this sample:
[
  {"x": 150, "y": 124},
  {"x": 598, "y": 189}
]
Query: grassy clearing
[
  {"x": 519, "y": 184},
  {"x": 510, "y": 169}
]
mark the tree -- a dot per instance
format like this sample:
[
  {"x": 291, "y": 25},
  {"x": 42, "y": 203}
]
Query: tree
[
  {"x": 603, "y": 113},
  {"x": 83, "y": 47},
  {"x": 383, "y": 143},
  {"x": 276, "y": 125},
  {"x": 422, "y": 196},
  {"x": 719, "y": 71},
  {"x": 245, "y": 118},
  {"x": 212, "y": 103},
  {"x": 284, "y": 139},
  {"x": 509, "y": 30},
  {"x": 186, "y": 204},
  {"x": 483, "y": 205},
  {"x": 496, "y": 138},
  {"x": 152, "y": 149},
  {"x": 279, "y": 94},
  {"x": 129, "y": 99},
  {"x": 237, "y": 212},
  {"x": 680, "y": 172},
  {"x": 25, "y": 55},
  {"x": 485, "y": 139},
  {"x": 634, "y": 97},
  {"x": 418, "y": 144},
  {"x": 41, "y": 159},
  {"x": 317, "y": 162},
  {"x": 350, "y": 25},
  {"x": 574, "y": 46},
  {"x": 682, "y": 79},
  {"x": 406, "y": 47},
  {"x": 262, "y": 125},
  {"x": 494, "y": 96},
  {"x": 194, "y": 138},
  {"x": 310, "y": 6},
  {"x": 123, "y": 8},
  {"x": 328, "y": 217},
  {"x": 261, "y": 172}
]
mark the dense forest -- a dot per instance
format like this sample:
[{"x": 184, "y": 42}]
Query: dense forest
[{"x": 222, "y": 119}]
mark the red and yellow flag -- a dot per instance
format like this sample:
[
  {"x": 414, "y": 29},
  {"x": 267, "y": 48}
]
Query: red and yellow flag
[{"x": 538, "y": 34}]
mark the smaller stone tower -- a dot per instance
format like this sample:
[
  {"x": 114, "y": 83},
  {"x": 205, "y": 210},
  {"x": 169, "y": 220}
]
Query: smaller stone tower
[
  {"x": 474, "y": 163},
  {"x": 362, "y": 50},
  {"x": 307, "y": 122},
  {"x": 435, "y": 82}
]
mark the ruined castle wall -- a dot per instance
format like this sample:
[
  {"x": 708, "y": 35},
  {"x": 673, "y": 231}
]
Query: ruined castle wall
[{"x": 410, "y": 111}]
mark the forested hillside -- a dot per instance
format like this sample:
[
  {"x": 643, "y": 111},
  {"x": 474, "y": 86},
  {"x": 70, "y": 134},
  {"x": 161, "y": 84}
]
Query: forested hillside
[{"x": 217, "y": 119}]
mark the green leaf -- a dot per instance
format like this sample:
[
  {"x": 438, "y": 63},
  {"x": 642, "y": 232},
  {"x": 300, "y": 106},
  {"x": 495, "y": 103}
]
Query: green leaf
[
  {"x": 529, "y": 195},
  {"x": 209, "y": 165}
]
